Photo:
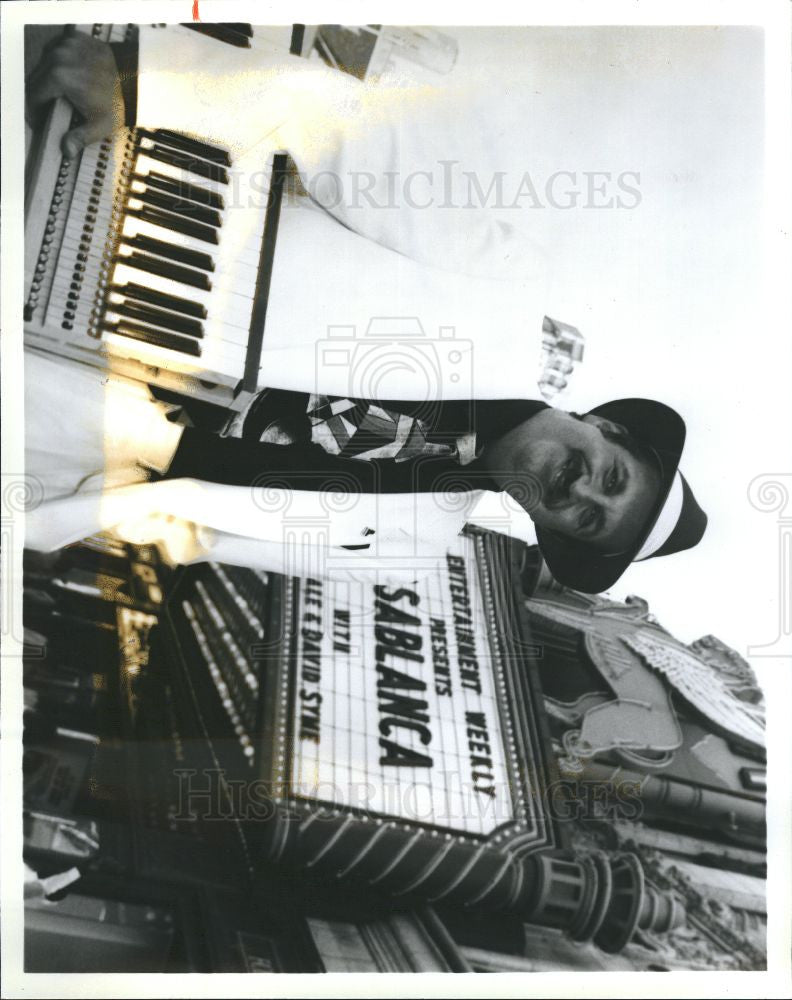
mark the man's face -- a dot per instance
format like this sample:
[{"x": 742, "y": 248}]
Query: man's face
[{"x": 578, "y": 479}]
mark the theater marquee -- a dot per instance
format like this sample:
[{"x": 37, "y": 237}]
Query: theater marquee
[{"x": 414, "y": 702}]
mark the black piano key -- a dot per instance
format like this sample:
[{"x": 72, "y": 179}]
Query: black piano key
[
  {"x": 189, "y": 145},
  {"x": 223, "y": 33},
  {"x": 184, "y": 255},
  {"x": 165, "y": 320},
  {"x": 243, "y": 29},
  {"x": 167, "y": 220},
  {"x": 181, "y": 189},
  {"x": 166, "y": 269},
  {"x": 179, "y": 207},
  {"x": 297, "y": 36},
  {"x": 183, "y": 161},
  {"x": 158, "y": 338},
  {"x": 155, "y": 298}
]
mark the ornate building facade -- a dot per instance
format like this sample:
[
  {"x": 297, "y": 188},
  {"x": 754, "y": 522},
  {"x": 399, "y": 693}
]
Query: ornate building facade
[
  {"x": 232, "y": 771},
  {"x": 667, "y": 740}
]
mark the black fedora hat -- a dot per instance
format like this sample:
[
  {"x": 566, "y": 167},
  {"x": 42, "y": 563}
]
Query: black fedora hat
[{"x": 676, "y": 522}]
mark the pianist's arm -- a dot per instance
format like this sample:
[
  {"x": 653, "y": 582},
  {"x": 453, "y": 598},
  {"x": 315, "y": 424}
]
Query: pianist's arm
[{"x": 355, "y": 144}]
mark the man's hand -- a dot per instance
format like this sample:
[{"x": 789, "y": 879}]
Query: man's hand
[{"x": 83, "y": 70}]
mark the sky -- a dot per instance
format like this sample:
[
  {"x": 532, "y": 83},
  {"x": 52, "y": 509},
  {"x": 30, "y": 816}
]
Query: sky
[{"x": 668, "y": 290}]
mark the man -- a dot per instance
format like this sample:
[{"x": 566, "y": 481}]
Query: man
[{"x": 603, "y": 489}]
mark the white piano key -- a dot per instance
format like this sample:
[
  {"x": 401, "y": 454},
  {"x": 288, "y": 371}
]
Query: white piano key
[
  {"x": 134, "y": 226},
  {"x": 145, "y": 164},
  {"x": 157, "y": 146},
  {"x": 231, "y": 309},
  {"x": 220, "y": 354},
  {"x": 187, "y": 208},
  {"x": 228, "y": 356},
  {"x": 214, "y": 329},
  {"x": 163, "y": 357}
]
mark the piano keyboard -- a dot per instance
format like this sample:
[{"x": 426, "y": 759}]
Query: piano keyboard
[{"x": 153, "y": 256}]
